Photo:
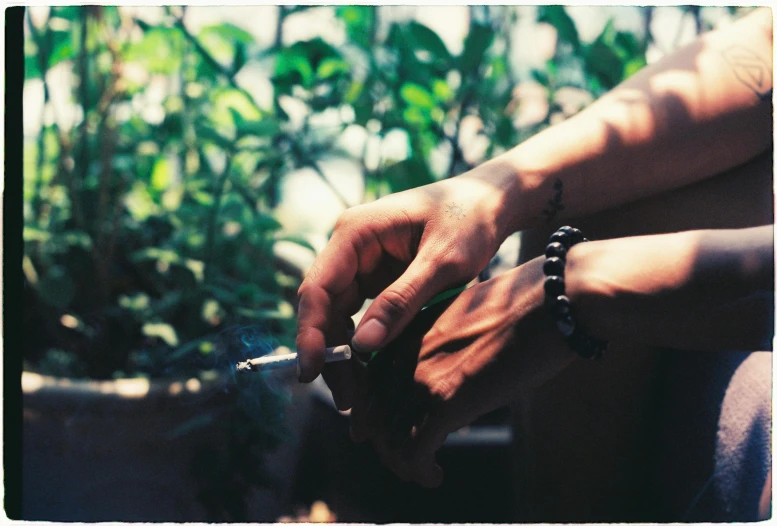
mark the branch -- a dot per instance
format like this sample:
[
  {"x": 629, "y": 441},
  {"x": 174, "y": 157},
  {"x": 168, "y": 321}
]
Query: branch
[
  {"x": 313, "y": 164},
  {"x": 210, "y": 239},
  {"x": 215, "y": 64},
  {"x": 43, "y": 63}
]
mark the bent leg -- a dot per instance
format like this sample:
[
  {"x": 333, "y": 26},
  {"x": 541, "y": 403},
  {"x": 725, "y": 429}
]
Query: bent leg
[{"x": 587, "y": 443}]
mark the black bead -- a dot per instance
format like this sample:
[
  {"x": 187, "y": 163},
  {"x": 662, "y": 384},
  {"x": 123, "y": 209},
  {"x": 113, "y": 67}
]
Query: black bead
[
  {"x": 555, "y": 250},
  {"x": 553, "y": 266},
  {"x": 575, "y": 236},
  {"x": 565, "y": 325},
  {"x": 554, "y": 286},
  {"x": 585, "y": 346},
  {"x": 560, "y": 237},
  {"x": 560, "y": 306}
]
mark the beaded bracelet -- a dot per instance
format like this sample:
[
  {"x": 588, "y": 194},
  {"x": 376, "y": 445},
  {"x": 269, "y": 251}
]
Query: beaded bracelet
[{"x": 558, "y": 303}]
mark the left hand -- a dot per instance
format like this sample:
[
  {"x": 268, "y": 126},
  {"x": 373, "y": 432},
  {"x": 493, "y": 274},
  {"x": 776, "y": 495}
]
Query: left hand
[{"x": 455, "y": 362}]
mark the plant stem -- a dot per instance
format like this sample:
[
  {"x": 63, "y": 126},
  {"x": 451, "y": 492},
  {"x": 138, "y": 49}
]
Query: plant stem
[
  {"x": 43, "y": 65},
  {"x": 210, "y": 239},
  {"x": 83, "y": 157},
  {"x": 279, "y": 28},
  {"x": 313, "y": 164}
]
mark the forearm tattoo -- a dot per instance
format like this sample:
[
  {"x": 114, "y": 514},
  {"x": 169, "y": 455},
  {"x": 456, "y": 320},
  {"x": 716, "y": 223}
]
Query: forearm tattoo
[
  {"x": 750, "y": 69},
  {"x": 554, "y": 203}
]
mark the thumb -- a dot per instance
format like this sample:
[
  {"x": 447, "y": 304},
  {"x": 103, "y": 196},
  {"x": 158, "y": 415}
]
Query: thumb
[{"x": 396, "y": 306}]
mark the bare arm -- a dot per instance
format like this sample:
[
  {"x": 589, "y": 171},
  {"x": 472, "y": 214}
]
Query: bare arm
[
  {"x": 701, "y": 290},
  {"x": 705, "y": 289},
  {"x": 690, "y": 116}
]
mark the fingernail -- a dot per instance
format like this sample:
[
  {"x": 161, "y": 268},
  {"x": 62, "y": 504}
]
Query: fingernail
[{"x": 369, "y": 336}]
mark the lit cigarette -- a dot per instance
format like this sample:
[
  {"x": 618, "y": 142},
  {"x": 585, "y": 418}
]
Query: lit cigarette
[{"x": 289, "y": 360}]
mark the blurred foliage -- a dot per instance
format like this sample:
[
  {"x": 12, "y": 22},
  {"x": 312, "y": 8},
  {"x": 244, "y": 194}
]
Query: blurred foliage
[{"x": 144, "y": 238}]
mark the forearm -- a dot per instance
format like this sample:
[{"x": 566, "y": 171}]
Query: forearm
[
  {"x": 686, "y": 118},
  {"x": 709, "y": 289}
]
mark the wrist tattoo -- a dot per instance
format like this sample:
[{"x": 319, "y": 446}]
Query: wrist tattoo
[
  {"x": 554, "y": 203},
  {"x": 455, "y": 210},
  {"x": 750, "y": 69}
]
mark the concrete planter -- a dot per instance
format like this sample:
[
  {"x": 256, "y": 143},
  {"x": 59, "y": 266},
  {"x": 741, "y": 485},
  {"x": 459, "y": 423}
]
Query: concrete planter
[{"x": 126, "y": 450}]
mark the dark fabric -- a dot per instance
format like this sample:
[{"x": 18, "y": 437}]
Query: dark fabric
[{"x": 714, "y": 436}]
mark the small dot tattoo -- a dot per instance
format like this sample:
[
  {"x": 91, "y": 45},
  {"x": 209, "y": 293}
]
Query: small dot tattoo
[{"x": 455, "y": 210}]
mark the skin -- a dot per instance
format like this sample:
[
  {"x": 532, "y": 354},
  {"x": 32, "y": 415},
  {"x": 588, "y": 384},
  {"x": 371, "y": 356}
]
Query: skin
[
  {"x": 495, "y": 340},
  {"x": 676, "y": 123}
]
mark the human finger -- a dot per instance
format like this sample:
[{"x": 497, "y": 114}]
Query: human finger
[
  {"x": 419, "y": 454},
  {"x": 394, "y": 308},
  {"x": 331, "y": 274},
  {"x": 340, "y": 377}
]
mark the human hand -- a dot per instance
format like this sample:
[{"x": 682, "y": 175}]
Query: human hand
[
  {"x": 455, "y": 362},
  {"x": 401, "y": 250}
]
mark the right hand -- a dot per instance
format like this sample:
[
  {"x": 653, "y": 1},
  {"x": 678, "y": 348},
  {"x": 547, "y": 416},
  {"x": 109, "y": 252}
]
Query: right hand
[{"x": 401, "y": 250}]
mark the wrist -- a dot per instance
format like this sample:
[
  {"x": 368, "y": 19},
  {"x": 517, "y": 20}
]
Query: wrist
[
  {"x": 504, "y": 201},
  {"x": 589, "y": 295}
]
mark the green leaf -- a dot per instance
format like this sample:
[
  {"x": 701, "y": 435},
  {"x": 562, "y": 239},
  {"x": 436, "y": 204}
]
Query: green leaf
[
  {"x": 415, "y": 116},
  {"x": 359, "y": 21},
  {"x": 208, "y": 133},
  {"x": 266, "y": 222},
  {"x": 35, "y": 234},
  {"x": 77, "y": 238},
  {"x": 557, "y": 16},
  {"x": 226, "y": 43},
  {"x": 633, "y": 66},
  {"x": 231, "y": 32},
  {"x": 284, "y": 311},
  {"x": 160, "y": 175},
  {"x": 293, "y": 69},
  {"x": 331, "y": 67},
  {"x": 477, "y": 42},
  {"x": 424, "y": 38},
  {"x": 629, "y": 44},
  {"x": 240, "y": 57},
  {"x": 442, "y": 91},
  {"x": 541, "y": 77},
  {"x": 407, "y": 174},
  {"x": 416, "y": 95},
  {"x": 31, "y": 69},
  {"x": 212, "y": 311},
  {"x": 203, "y": 198},
  {"x": 160, "y": 50},
  {"x": 297, "y": 240},
  {"x": 298, "y": 63},
  {"x": 155, "y": 253},
  {"x": 70, "y": 13},
  {"x": 264, "y": 127},
  {"x": 62, "y": 47},
  {"x": 163, "y": 331},
  {"x": 602, "y": 58}
]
